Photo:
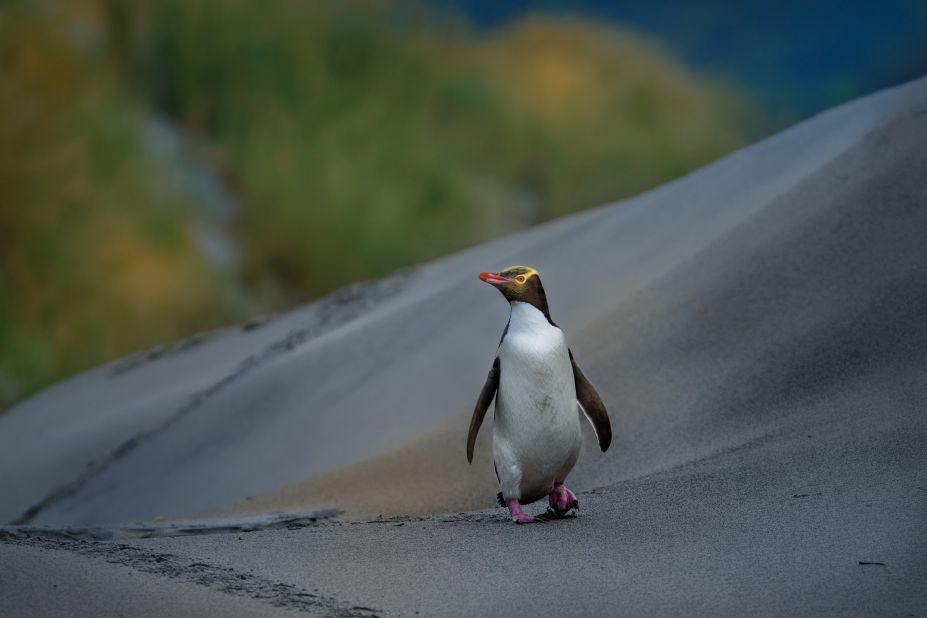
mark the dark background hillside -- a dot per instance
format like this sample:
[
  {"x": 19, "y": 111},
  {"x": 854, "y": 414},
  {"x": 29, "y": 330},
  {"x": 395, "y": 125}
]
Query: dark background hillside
[{"x": 795, "y": 57}]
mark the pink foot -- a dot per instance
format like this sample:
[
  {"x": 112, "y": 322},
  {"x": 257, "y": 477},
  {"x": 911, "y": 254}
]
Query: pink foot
[
  {"x": 562, "y": 499},
  {"x": 518, "y": 515}
]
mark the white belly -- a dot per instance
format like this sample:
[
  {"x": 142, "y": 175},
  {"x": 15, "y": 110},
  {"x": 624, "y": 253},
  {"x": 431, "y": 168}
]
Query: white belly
[{"x": 536, "y": 431}]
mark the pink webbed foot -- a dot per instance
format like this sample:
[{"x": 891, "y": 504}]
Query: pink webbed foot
[
  {"x": 518, "y": 515},
  {"x": 562, "y": 500}
]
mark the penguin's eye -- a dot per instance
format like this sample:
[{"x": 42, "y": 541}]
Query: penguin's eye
[{"x": 521, "y": 278}]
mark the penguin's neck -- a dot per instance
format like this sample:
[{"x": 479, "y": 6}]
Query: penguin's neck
[{"x": 525, "y": 317}]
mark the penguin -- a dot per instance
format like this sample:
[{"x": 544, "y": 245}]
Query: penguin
[{"x": 540, "y": 395}]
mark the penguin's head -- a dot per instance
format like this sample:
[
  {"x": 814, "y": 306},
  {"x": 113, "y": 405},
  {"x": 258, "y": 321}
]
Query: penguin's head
[{"x": 519, "y": 283}]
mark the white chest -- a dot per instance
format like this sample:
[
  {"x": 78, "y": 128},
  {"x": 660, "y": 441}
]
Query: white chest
[
  {"x": 536, "y": 370},
  {"x": 536, "y": 430}
]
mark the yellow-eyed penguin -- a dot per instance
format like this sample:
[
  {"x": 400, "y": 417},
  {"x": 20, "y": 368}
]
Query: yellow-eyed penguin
[{"x": 540, "y": 395}]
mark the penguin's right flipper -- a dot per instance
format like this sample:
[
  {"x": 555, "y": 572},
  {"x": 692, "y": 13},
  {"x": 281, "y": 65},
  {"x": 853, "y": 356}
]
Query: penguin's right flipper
[{"x": 482, "y": 404}]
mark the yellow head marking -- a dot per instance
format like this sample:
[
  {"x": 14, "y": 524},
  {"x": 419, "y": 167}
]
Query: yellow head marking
[{"x": 519, "y": 274}]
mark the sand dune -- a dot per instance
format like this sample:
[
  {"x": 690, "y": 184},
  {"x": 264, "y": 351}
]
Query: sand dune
[
  {"x": 757, "y": 330},
  {"x": 809, "y": 296}
]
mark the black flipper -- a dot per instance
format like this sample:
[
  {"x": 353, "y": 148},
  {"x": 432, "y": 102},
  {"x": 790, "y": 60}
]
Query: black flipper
[
  {"x": 482, "y": 404},
  {"x": 592, "y": 405}
]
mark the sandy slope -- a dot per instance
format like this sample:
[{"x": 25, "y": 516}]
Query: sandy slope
[{"x": 757, "y": 330}]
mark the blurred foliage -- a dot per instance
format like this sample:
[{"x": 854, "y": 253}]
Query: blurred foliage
[
  {"x": 360, "y": 141},
  {"x": 358, "y": 137},
  {"x": 96, "y": 260}
]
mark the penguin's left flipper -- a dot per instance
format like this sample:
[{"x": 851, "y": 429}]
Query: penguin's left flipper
[
  {"x": 592, "y": 406},
  {"x": 482, "y": 404}
]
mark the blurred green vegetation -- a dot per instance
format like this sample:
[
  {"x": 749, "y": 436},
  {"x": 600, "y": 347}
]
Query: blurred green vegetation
[
  {"x": 358, "y": 138},
  {"x": 96, "y": 259}
]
